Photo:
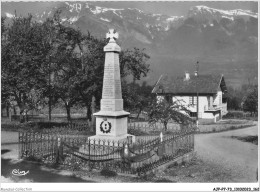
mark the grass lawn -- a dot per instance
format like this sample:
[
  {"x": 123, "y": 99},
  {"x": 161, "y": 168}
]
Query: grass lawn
[
  {"x": 251, "y": 139},
  {"x": 225, "y": 125}
]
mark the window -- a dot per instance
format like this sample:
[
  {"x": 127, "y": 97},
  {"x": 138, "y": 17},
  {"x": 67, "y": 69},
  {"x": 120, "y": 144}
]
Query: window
[
  {"x": 168, "y": 98},
  {"x": 193, "y": 100},
  {"x": 220, "y": 99}
]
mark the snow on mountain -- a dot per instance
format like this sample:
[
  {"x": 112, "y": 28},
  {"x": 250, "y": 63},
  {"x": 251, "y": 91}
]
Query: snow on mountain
[
  {"x": 9, "y": 15},
  {"x": 235, "y": 12},
  {"x": 73, "y": 19},
  {"x": 104, "y": 19},
  {"x": 140, "y": 11},
  {"x": 97, "y": 10},
  {"x": 203, "y": 13},
  {"x": 173, "y": 18},
  {"x": 129, "y": 14},
  {"x": 231, "y": 18}
]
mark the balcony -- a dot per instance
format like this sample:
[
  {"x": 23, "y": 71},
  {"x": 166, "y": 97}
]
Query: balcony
[
  {"x": 212, "y": 108},
  {"x": 215, "y": 107}
]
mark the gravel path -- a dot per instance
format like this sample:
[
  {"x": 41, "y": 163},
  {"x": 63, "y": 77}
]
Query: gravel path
[{"x": 238, "y": 158}]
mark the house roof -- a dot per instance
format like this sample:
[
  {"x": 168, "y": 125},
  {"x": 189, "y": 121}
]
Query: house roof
[{"x": 209, "y": 84}]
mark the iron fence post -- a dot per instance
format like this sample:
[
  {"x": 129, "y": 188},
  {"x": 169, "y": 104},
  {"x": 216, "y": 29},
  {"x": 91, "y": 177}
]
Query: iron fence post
[{"x": 89, "y": 153}]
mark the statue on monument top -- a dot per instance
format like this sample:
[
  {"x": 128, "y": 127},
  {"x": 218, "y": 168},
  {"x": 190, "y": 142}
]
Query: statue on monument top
[{"x": 112, "y": 35}]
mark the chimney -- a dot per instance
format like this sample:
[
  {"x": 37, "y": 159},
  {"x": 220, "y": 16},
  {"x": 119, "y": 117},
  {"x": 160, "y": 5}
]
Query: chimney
[
  {"x": 196, "y": 73},
  {"x": 187, "y": 76}
]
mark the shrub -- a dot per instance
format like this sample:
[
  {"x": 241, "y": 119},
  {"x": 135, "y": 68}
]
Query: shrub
[
  {"x": 233, "y": 114},
  {"x": 163, "y": 180},
  {"x": 148, "y": 176},
  {"x": 175, "y": 164},
  {"x": 232, "y": 127},
  {"x": 136, "y": 132},
  {"x": 183, "y": 163},
  {"x": 108, "y": 173},
  {"x": 32, "y": 158}
]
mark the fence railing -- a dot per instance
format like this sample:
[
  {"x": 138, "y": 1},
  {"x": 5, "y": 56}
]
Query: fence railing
[
  {"x": 146, "y": 127},
  {"x": 72, "y": 128},
  {"x": 78, "y": 151}
]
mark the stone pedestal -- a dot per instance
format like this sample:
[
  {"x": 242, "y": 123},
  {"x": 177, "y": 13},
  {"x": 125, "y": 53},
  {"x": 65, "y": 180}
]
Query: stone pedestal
[{"x": 111, "y": 120}]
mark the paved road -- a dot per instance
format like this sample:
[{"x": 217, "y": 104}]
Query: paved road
[{"x": 239, "y": 158}]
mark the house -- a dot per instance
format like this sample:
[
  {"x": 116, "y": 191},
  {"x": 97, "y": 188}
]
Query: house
[{"x": 210, "y": 88}]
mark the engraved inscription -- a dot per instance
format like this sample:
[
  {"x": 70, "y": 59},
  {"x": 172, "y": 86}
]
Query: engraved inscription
[
  {"x": 107, "y": 108},
  {"x": 118, "y": 88}
]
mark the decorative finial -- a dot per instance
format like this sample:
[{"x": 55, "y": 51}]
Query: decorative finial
[{"x": 112, "y": 35}]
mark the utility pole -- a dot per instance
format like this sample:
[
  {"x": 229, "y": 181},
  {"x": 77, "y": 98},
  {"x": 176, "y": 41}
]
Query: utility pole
[{"x": 197, "y": 76}]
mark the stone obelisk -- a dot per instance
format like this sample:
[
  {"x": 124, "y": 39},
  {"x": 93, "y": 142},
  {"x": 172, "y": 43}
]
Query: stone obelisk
[{"x": 111, "y": 120}]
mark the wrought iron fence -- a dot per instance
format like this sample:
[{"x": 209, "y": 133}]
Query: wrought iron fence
[{"x": 80, "y": 152}]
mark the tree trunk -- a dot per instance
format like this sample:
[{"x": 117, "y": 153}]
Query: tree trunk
[
  {"x": 10, "y": 114},
  {"x": 26, "y": 116},
  {"x": 93, "y": 110},
  {"x": 15, "y": 113},
  {"x": 21, "y": 116},
  {"x": 165, "y": 125},
  {"x": 49, "y": 108},
  {"x": 89, "y": 112},
  {"x": 7, "y": 110},
  {"x": 140, "y": 110},
  {"x": 68, "y": 113}
]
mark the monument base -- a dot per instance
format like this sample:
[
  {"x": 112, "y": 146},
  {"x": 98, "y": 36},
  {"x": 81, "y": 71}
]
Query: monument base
[
  {"x": 115, "y": 114},
  {"x": 112, "y": 124},
  {"x": 121, "y": 138}
]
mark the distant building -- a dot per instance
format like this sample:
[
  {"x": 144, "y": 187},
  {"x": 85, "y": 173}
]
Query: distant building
[{"x": 211, "y": 88}]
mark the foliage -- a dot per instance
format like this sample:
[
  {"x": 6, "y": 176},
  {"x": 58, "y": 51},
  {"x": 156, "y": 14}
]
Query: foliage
[
  {"x": 250, "y": 103},
  {"x": 136, "y": 97},
  {"x": 236, "y": 97},
  {"x": 108, "y": 173},
  {"x": 22, "y": 59},
  {"x": 163, "y": 111},
  {"x": 134, "y": 62}
]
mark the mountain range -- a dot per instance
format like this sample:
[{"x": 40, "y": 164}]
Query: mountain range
[{"x": 223, "y": 41}]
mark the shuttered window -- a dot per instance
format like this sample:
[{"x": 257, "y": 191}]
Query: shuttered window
[{"x": 193, "y": 100}]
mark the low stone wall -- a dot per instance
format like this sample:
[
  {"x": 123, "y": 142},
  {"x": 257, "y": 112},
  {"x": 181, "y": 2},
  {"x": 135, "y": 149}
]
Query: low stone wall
[
  {"x": 205, "y": 125},
  {"x": 179, "y": 160}
]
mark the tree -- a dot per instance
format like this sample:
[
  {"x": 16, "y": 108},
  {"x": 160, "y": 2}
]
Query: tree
[
  {"x": 67, "y": 66},
  {"x": 136, "y": 97},
  {"x": 163, "y": 111},
  {"x": 21, "y": 63},
  {"x": 250, "y": 104},
  {"x": 5, "y": 94},
  {"x": 134, "y": 62}
]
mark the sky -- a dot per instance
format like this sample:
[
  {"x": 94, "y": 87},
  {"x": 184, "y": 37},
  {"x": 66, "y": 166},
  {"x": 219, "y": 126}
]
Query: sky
[{"x": 174, "y": 8}]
